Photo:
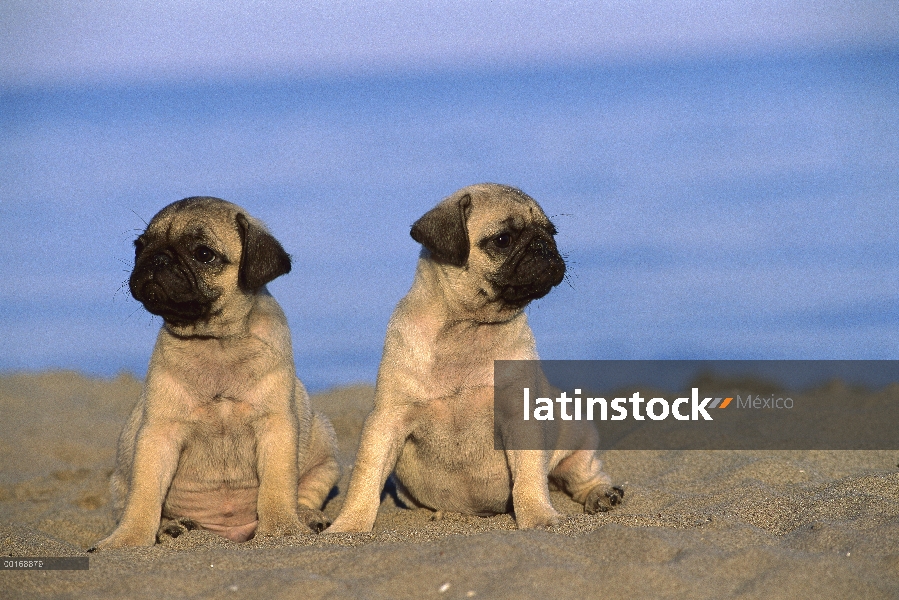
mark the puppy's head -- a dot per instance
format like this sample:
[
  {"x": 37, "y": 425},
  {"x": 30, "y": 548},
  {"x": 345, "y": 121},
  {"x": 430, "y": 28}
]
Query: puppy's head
[
  {"x": 201, "y": 260},
  {"x": 496, "y": 246}
]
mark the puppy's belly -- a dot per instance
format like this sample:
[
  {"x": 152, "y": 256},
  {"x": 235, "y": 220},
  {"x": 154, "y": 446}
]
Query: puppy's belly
[
  {"x": 469, "y": 480},
  {"x": 216, "y": 484},
  {"x": 226, "y": 510},
  {"x": 448, "y": 463}
]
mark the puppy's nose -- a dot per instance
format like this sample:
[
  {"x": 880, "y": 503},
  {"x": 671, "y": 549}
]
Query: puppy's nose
[
  {"x": 543, "y": 248},
  {"x": 160, "y": 260}
]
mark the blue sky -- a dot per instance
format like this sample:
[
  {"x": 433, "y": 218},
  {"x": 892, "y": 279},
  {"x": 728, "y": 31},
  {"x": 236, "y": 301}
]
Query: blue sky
[
  {"x": 723, "y": 174},
  {"x": 53, "y": 41}
]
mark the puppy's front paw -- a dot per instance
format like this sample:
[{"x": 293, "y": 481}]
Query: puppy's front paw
[
  {"x": 314, "y": 519},
  {"x": 537, "y": 518},
  {"x": 124, "y": 539},
  {"x": 603, "y": 499},
  {"x": 344, "y": 524},
  {"x": 281, "y": 525}
]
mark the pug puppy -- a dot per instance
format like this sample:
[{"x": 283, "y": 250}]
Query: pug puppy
[
  {"x": 488, "y": 251},
  {"x": 222, "y": 437}
]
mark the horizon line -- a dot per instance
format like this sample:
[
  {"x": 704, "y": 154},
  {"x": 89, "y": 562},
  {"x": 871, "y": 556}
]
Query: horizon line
[{"x": 437, "y": 69}]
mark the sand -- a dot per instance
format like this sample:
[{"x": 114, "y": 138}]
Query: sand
[{"x": 695, "y": 524}]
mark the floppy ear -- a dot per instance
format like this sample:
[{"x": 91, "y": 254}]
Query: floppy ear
[
  {"x": 443, "y": 230},
  {"x": 262, "y": 258}
]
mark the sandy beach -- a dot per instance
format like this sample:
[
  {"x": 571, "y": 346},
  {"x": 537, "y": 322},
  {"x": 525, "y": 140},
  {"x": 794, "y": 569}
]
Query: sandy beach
[{"x": 695, "y": 524}]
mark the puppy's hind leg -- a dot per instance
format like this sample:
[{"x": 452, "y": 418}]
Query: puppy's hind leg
[
  {"x": 580, "y": 474},
  {"x": 174, "y": 528},
  {"x": 118, "y": 491},
  {"x": 603, "y": 498},
  {"x": 318, "y": 474}
]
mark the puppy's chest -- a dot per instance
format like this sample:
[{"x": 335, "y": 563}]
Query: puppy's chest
[
  {"x": 458, "y": 375},
  {"x": 453, "y": 414},
  {"x": 223, "y": 415},
  {"x": 222, "y": 387},
  {"x": 463, "y": 365},
  {"x": 456, "y": 392}
]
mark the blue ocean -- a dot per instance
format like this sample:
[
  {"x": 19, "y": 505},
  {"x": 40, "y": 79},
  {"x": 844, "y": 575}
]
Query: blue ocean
[{"x": 725, "y": 208}]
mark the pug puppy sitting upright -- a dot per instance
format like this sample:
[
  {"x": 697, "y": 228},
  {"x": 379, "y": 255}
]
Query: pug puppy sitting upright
[
  {"x": 488, "y": 251},
  {"x": 222, "y": 437}
]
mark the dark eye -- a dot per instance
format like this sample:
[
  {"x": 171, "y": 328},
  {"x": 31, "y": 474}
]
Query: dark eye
[
  {"x": 138, "y": 247},
  {"x": 204, "y": 254},
  {"x": 503, "y": 240}
]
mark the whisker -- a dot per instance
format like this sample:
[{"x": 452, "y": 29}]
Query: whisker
[
  {"x": 140, "y": 217},
  {"x": 132, "y": 314},
  {"x": 124, "y": 284}
]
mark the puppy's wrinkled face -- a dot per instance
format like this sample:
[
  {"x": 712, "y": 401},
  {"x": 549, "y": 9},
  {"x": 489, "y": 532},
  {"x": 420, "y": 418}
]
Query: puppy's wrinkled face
[
  {"x": 497, "y": 245},
  {"x": 516, "y": 255},
  {"x": 197, "y": 255}
]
